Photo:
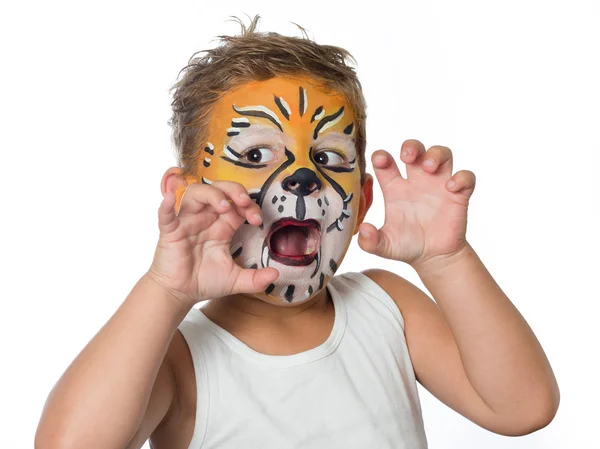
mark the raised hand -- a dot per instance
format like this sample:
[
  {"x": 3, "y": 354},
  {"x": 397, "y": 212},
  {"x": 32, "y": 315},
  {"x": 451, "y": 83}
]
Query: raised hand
[
  {"x": 192, "y": 259},
  {"x": 426, "y": 213}
]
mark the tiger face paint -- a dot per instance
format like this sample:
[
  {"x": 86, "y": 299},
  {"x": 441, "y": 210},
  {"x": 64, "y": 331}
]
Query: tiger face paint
[{"x": 292, "y": 146}]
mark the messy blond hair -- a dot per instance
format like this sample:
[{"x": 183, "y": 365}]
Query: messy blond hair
[{"x": 256, "y": 56}]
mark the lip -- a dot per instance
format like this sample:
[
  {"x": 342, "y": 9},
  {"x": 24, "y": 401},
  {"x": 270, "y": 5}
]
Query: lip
[{"x": 303, "y": 260}]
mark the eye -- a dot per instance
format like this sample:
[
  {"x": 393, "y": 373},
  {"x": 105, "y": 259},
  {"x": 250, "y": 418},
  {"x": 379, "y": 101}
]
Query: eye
[
  {"x": 329, "y": 158},
  {"x": 260, "y": 154}
]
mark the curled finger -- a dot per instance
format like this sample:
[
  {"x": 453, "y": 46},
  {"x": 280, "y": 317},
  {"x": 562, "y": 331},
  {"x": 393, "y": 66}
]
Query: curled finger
[{"x": 197, "y": 196}]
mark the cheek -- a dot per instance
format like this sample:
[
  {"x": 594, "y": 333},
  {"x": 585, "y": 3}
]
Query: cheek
[{"x": 350, "y": 182}]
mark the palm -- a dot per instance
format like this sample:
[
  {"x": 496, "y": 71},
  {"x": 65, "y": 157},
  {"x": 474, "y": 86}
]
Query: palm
[{"x": 423, "y": 218}]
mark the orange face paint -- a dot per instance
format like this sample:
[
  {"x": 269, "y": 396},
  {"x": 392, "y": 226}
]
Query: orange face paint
[{"x": 291, "y": 144}]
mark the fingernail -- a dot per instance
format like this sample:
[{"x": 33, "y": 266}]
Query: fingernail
[
  {"x": 451, "y": 184},
  {"x": 428, "y": 163},
  {"x": 244, "y": 196},
  {"x": 257, "y": 217},
  {"x": 224, "y": 203},
  {"x": 364, "y": 233}
]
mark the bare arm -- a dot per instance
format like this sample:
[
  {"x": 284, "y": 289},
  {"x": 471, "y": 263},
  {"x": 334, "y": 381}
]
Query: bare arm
[
  {"x": 121, "y": 387},
  {"x": 473, "y": 350},
  {"x": 102, "y": 399}
]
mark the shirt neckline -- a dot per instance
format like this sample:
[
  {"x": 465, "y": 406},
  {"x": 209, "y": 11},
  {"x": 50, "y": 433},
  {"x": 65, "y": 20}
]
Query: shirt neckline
[{"x": 283, "y": 361}]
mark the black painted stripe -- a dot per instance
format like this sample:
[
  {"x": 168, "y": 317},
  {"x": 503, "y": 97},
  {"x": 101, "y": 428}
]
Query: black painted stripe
[
  {"x": 282, "y": 109},
  {"x": 318, "y": 258},
  {"x": 333, "y": 265},
  {"x": 274, "y": 200},
  {"x": 301, "y": 90},
  {"x": 263, "y": 191},
  {"x": 300, "y": 208},
  {"x": 326, "y": 120},
  {"x": 237, "y": 252},
  {"x": 242, "y": 164},
  {"x": 321, "y": 281},
  {"x": 310, "y": 290},
  {"x": 289, "y": 293},
  {"x": 253, "y": 266},
  {"x": 240, "y": 124},
  {"x": 259, "y": 114},
  {"x": 270, "y": 288},
  {"x": 206, "y": 163},
  {"x": 209, "y": 151},
  {"x": 235, "y": 153},
  {"x": 348, "y": 129},
  {"x": 232, "y": 133},
  {"x": 326, "y": 200},
  {"x": 338, "y": 188},
  {"x": 317, "y": 112},
  {"x": 319, "y": 202}
]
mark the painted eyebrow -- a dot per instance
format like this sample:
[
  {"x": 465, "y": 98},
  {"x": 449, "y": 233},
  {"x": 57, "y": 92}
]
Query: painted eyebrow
[
  {"x": 259, "y": 111},
  {"x": 328, "y": 121}
]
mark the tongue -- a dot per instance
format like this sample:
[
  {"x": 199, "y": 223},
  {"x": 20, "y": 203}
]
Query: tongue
[{"x": 292, "y": 241}]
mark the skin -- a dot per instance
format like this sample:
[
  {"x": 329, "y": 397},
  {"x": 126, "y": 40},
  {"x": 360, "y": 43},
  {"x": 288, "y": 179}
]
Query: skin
[
  {"x": 470, "y": 348},
  {"x": 301, "y": 128}
]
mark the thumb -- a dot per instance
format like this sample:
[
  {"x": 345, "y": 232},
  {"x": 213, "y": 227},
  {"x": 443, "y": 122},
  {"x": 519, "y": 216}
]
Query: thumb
[
  {"x": 251, "y": 280},
  {"x": 372, "y": 240}
]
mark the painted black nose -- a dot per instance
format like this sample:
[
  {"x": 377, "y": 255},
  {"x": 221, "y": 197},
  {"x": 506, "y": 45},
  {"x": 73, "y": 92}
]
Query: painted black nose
[{"x": 302, "y": 183}]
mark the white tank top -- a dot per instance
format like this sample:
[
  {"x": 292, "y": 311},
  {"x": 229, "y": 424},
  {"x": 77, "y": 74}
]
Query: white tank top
[{"x": 356, "y": 390}]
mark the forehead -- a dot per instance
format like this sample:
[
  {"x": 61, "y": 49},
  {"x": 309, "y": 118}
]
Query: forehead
[
  {"x": 289, "y": 104},
  {"x": 293, "y": 117}
]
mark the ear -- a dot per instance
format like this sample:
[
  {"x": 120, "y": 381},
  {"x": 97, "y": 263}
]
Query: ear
[
  {"x": 366, "y": 199},
  {"x": 173, "y": 181}
]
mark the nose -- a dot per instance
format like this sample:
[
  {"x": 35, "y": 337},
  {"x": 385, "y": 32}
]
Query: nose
[{"x": 302, "y": 182}]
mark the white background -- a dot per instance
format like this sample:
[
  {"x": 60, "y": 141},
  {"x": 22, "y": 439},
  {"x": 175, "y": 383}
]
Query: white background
[{"x": 511, "y": 87}]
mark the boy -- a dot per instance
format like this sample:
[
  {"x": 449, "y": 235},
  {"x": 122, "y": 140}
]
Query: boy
[{"x": 256, "y": 219}]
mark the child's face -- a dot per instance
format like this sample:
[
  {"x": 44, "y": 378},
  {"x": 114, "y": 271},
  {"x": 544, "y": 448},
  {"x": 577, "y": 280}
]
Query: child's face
[{"x": 292, "y": 146}]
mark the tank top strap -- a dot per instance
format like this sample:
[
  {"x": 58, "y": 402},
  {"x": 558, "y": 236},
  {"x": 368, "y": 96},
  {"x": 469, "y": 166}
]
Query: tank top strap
[{"x": 356, "y": 287}]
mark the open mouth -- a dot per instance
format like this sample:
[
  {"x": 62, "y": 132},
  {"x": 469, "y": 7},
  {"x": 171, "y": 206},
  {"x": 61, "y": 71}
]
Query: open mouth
[{"x": 294, "y": 242}]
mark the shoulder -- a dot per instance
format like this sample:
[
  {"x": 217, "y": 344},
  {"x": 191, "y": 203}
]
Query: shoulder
[
  {"x": 404, "y": 293},
  {"x": 423, "y": 319}
]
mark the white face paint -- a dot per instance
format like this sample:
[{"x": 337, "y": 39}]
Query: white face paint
[
  {"x": 299, "y": 164},
  {"x": 305, "y": 233}
]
